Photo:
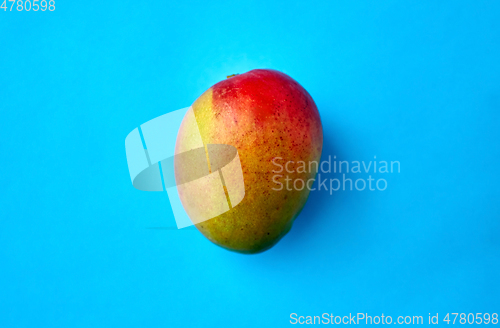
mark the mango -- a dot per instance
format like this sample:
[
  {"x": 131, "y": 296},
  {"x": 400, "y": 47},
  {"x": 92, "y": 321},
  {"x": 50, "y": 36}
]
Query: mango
[{"x": 271, "y": 120}]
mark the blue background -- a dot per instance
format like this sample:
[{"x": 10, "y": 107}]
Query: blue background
[{"x": 412, "y": 81}]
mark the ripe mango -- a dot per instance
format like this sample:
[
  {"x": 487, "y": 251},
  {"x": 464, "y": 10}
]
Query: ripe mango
[{"x": 269, "y": 118}]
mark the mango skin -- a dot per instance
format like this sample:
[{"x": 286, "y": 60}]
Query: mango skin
[{"x": 265, "y": 114}]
